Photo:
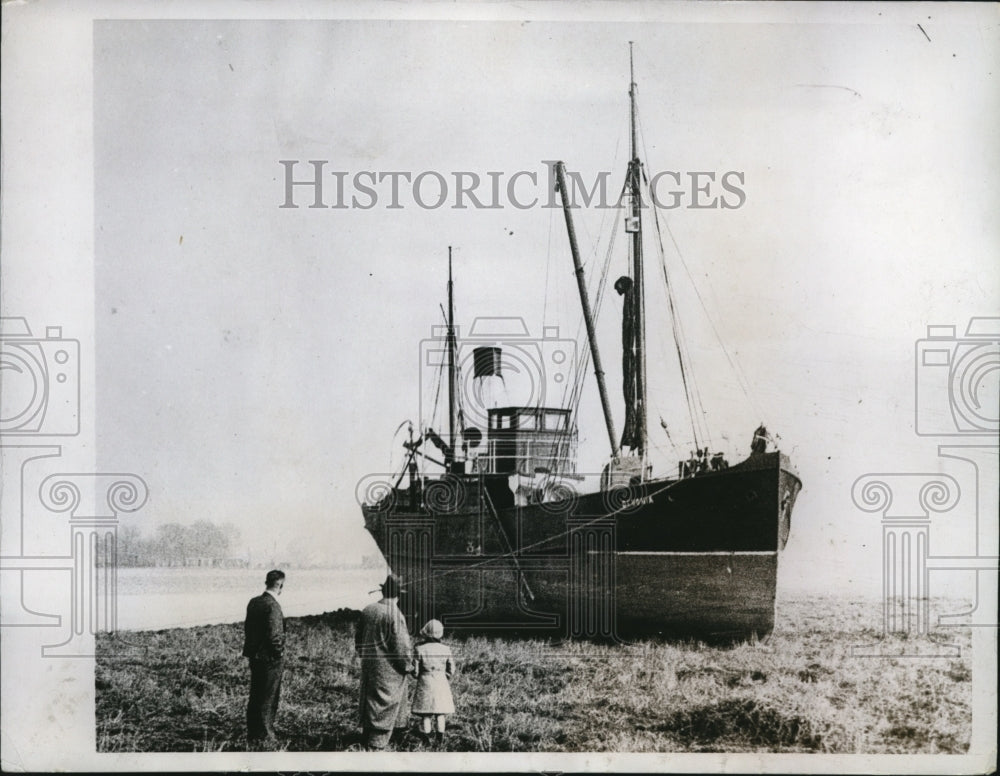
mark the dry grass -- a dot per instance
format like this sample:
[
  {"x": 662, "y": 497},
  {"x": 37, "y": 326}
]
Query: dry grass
[{"x": 801, "y": 691}]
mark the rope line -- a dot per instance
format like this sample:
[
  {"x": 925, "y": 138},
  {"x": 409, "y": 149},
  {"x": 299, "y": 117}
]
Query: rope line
[{"x": 741, "y": 379}]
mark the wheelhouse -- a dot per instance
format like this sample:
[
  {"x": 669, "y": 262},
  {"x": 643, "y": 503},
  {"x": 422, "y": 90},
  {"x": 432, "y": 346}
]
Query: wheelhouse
[{"x": 528, "y": 440}]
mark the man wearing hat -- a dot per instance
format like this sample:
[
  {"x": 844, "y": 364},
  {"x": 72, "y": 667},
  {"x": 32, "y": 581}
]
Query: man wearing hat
[{"x": 383, "y": 644}]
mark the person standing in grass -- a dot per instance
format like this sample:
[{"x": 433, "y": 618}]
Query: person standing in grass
[
  {"x": 264, "y": 645},
  {"x": 383, "y": 644},
  {"x": 432, "y": 700}
]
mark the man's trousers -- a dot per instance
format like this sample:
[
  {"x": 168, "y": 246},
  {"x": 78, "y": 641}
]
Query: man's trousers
[{"x": 265, "y": 691}]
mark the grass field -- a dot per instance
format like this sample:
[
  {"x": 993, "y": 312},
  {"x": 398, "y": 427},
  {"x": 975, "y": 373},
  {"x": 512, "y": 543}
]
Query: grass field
[{"x": 800, "y": 691}]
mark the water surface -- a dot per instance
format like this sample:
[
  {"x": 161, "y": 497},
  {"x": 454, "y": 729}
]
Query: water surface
[{"x": 154, "y": 598}]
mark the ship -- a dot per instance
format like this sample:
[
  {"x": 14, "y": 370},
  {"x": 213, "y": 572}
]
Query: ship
[{"x": 494, "y": 531}]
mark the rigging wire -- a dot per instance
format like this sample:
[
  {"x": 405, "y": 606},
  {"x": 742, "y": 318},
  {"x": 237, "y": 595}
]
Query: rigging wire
[
  {"x": 393, "y": 442},
  {"x": 548, "y": 267},
  {"x": 690, "y": 395},
  {"x": 734, "y": 363},
  {"x": 584, "y": 361},
  {"x": 432, "y": 421},
  {"x": 741, "y": 379},
  {"x": 688, "y": 381},
  {"x": 456, "y": 443},
  {"x": 602, "y": 284}
]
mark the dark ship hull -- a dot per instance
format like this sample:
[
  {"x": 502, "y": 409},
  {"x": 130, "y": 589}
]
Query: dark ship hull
[{"x": 694, "y": 557}]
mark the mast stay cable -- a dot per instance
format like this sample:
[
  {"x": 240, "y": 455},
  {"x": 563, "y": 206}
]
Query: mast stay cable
[{"x": 741, "y": 379}]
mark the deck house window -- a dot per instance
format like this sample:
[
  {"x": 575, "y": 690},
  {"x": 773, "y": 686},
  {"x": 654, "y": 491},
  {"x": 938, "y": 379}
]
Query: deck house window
[{"x": 555, "y": 421}]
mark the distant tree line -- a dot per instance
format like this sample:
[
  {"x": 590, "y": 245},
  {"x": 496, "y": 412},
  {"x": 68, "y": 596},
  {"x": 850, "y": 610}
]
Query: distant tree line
[{"x": 202, "y": 543}]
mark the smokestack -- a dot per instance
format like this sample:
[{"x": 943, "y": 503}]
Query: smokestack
[{"x": 486, "y": 362}]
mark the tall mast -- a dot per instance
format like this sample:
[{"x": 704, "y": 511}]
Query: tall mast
[
  {"x": 639, "y": 321},
  {"x": 585, "y": 303},
  {"x": 452, "y": 371}
]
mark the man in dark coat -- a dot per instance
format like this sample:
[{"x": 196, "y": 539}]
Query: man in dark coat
[
  {"x": 264, "y": 644},
  {"x": 383, "y": 644}
]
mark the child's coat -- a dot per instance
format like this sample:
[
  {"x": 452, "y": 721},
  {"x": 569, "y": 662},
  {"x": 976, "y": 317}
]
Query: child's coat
[{"x": 435, "y": 667}]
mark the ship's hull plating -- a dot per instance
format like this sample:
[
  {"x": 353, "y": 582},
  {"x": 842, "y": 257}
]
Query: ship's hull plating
[{"x": 690, "y": 558}]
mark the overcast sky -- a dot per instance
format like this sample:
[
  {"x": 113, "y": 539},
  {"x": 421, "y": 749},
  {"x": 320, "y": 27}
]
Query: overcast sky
[{"x": 254, "y": 361}]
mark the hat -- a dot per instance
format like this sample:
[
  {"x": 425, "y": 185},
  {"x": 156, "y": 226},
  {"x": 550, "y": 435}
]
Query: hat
[
  {"x": 392, "y": 586},
  {"x": 432, "y": 630}
]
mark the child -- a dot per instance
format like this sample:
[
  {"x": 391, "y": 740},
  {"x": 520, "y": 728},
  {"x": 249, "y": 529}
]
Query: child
[{"x": 432, "y": 699}]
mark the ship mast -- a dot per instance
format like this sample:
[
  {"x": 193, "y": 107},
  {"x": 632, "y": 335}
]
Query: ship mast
[
  {"x": 639, "y": 321},
  {"x": 639, "y": 311},
  {"x": 452, "y": 372}
]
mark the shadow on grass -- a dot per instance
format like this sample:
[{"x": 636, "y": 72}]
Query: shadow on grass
[{"x": 715, "y": 727}]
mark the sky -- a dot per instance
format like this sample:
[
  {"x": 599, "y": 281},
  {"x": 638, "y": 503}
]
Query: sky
[{"x": 254, "y": 362}]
